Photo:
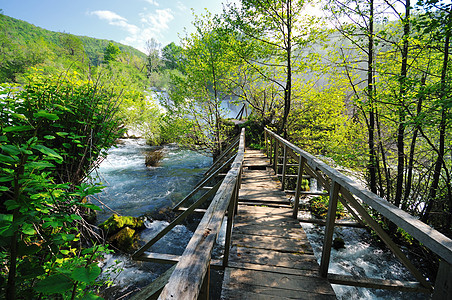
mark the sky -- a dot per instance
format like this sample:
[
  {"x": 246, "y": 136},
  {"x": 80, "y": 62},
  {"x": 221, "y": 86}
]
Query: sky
[{"x": 130, "y": 22}]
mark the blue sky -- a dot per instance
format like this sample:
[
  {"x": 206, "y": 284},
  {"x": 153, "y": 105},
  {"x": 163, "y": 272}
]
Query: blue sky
[{"x": 130, "y": 22}]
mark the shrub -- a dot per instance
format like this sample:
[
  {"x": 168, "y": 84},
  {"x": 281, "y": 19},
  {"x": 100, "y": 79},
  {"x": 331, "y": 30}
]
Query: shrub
[
  {"x": 52, "y": 133},
  {"x": 319, "y": 207},
  {"x": 153, "y": 158}
]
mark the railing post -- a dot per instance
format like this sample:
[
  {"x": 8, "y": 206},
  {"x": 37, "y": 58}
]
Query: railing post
[
  {"x": 301, "y": 162},
  {"x": 275, "y": 157},
  {"x": 231, "y": 213},
  {"x": 270, "y": 149},
  {"x": 443, "y": 284},
  {"x": 283, "y": 180},
  {"x": 328, "y": 240},
  {"x": 204, "y": 292},
  {"x": 265, "y": 142}
]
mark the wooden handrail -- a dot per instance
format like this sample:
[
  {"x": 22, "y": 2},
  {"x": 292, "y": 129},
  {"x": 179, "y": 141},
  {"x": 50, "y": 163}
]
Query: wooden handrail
[
  {"x": 347, "y": 188},
  {"x": 188, "y": 276},
  {"x": 431, "y": 238}
]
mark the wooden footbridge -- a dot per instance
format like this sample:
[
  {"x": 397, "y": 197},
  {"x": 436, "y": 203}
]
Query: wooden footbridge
[{"x": 266, "y": 252}]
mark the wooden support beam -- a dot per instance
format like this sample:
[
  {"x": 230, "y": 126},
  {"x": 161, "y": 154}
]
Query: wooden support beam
[
  {"x": 337, "y": 223},
  {"x": 153, "y": 290},
  {"x": 202, "y": 183},
  {"x": 307, "y": 193},
  {"x": 301, "y": 163},
  {"x": 197, "y": 211},
  {"x": 375, "y": 283},
  {"x": 275, "y": 156},
  {"x": 176, "y": 221},
  {"x": 283, "y": 181},
  {"x": 443, "y": 284},
  {"x": 385, "y": 237},
  {"x": 222, "y": 156},
  {"x": 328, "y": 240}
]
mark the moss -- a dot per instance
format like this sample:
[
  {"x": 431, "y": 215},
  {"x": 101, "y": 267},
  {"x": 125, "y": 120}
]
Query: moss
[
  {"x": 115, "y": 223},
  {"x": 124, "y": 240}
]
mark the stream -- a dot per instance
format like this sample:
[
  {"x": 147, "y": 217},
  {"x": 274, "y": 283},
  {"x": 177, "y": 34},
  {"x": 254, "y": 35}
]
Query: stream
[{"x": 134, "y": 189}]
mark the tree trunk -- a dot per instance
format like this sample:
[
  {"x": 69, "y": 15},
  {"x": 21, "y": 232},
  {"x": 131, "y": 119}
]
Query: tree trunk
[
  {"x": 288, "y": 87},
  {"x": 372, "y": 167},
  {"x": 409, "y": 177},
  {"x": 442, "y": 135},
  {"x": 402, "y": 113}
]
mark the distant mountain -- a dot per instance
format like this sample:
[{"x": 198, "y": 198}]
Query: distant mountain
[{"x": 25, "y": 33}]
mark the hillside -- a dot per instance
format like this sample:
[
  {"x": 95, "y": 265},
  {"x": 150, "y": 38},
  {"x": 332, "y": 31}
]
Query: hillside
[{"x": 24, "y": 33}]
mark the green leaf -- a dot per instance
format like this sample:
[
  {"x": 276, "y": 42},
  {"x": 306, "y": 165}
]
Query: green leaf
[
  {"x": 24, "y": 249},
  {"x": 47, "y": 151},
  {"x": 11, "y": 204},
  {"x": 8, "y": 159},
  {"x": 62, "y": 134},
  {"x": 17, "y": 128},
  {"x": 49, "y": 137},
  {"x": 39, "y": 165},
  {"x": 46, "y": 115},
  {"x": 54, "y": 284},
  {"x": 5, "y": 179},
  {"x": 86, "y": 275},
  {"x": 91, "y": 296},
  {"x": 10, "y": 149},
  {"x": 28, "y": 229}
]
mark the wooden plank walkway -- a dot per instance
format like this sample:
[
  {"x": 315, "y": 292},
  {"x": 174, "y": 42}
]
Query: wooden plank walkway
[{"x": 271, "y": 257}]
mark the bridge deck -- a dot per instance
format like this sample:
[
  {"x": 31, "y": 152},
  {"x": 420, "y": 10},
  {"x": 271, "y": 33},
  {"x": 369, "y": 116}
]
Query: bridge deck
[{"x": 271, "y": 257}]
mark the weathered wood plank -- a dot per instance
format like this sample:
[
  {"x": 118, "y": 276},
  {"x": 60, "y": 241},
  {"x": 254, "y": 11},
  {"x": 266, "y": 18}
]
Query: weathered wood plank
[
  {"x": 251, "y": 292},
  {"x": 298, "y": 260},
  {"x": 273, "y": 269},
  {"x": 271, "y": 257},
  {"x": 270, "y": 231},
  {"x": 285, "y": 284},
  {"x": 272, "y": 243}
]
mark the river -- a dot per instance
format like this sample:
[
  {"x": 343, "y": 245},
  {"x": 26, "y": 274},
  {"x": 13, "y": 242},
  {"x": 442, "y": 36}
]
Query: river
[{"x": 136, "y": 190}]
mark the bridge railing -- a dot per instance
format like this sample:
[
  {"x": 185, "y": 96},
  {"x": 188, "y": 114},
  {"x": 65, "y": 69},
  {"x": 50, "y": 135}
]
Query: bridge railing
[
  {"x": 190, "y": 275},
  {"x": 352, "y": 195}
]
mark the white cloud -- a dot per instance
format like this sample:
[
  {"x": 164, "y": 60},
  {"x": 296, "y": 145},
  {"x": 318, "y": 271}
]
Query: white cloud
[
  {"x": 182, "y": 6},
  {"x": 152, "y": 2},
  {"x": 152, "y": 25},
  {"x": 116, "y": 20},
  {"x": 158, "y": 20}
]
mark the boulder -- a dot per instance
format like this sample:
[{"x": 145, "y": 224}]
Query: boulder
[
  {"x": 124, "y": 240},
  {"x": 115, "y": 223}
]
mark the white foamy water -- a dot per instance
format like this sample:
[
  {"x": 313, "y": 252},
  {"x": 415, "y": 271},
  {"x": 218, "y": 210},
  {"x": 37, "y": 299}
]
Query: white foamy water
[{"x": 362, "y": 259}]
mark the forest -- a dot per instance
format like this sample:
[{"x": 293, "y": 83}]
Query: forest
[{"x": 363, "y": 84}]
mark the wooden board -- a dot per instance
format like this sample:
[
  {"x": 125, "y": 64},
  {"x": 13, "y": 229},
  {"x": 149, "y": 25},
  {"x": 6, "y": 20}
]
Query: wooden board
[
  {"x": 277, "y": 284},
  {"x": 270, "y": 257}
]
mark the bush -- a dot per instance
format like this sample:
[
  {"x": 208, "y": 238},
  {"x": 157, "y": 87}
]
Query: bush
[
  {"x": 153, "y": 158},
  {"x": 319, "y": 207},
  {"x": 52, "y": 133}
]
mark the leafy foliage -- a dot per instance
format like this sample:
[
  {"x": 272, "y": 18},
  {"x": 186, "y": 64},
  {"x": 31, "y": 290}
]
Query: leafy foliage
[{"x": 53, "y": 131}]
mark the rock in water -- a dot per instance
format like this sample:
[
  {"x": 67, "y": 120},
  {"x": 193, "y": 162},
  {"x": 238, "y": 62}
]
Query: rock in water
[
  {"x": 124, "y": 240},
  {"x": 115, "y": 223},
  {"x": 338, "y": 243}
]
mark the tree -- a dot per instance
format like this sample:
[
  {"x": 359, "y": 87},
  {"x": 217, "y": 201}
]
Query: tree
[
  {"x": 172, "y": 56},
  {"x": 204, "y": 84},
  {"x": 111, "y": 52},
  {"x": 154, "y": 61},
  {"x": 276, "y": 29}
]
